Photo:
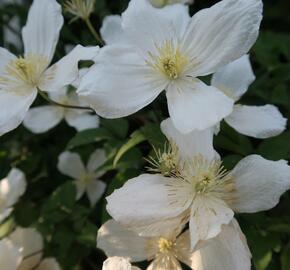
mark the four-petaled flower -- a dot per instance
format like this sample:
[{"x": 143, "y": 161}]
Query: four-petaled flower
[
  {"x": 199, "y": 190},
  {"x": 166, "y": 49},
  {"x": 86, "y": 177}
]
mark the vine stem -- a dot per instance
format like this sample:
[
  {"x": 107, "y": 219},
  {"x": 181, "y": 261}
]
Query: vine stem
[
  {"x": 44, "y": 96},
  {"x": 93, "y": 31}
]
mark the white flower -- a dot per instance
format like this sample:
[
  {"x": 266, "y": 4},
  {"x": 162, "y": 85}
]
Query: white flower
[
  {"x": 162, "y": 3},
  {"x": 195, "y": 187},
  {"x": 10, "y": 256},
  {"x": 227, "y": 251},
  {"x": 256, "y": 121},
  {"x": 29, "y": 243},
  {"x": 166, "y": 49},
  {"x": 86, "y": 178},
  {"x": 43, "y": 118},
  {"x": 118, "y": 263},
  {"x": 21, "y": 78},
  {"x": 11, "y": 188}
]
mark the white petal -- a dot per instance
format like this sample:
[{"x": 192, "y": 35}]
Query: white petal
[
  {"x": 41, "y": 119},
  {"x": 148, "y": 200},
  {"x": 118, "y": 263},
  {"x": 81, "y": 121},
  {"x": 65, "y": 71},
  {"x": 116, "y": 240},
  {"x": 5, "y": 58},
  {"x": 10, "y": 256},
  {"x": 13, "y": 109},
  {"x": 235, "y": 78},
  {"x": 259, "y": 183},
  {"x": 30, "y": 242},
  {"x": 71, "y": 164},
  {"x": 41, "y": 33},
  {"x": 221, "y": 34},
  {"x": 112, "y": 31},
  {"x": 80, "y": 188},
  {"x": 4, "y": 213},
  {"x": 95, "y": 190},
  {"x": 49, "y": 264},
  {"x": 228, "y": 251},
  {"x": 194, "y": 105},
  {"x": 120, "y": 83},
  {"x": 96, "y": 160},
  {"x": 191, "y": 144},
  {"x": 146, "y": 26},
  {"x": 207, "y": 217},
  {"x": 165, "y": 261},
  {"x": 12, "y": 187},
  {"x": 183, "y": 248},
  {"x": 257, "y": 121}
]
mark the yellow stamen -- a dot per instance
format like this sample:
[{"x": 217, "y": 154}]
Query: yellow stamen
[
  {"x": 169, "y": 60},
  {"x": 26, "y": 70},
  {"x": 166, "y": 162},
  {"x": 80, "y": 8},
  {"x": 165, "y": 245},
  {"x": 210, "y": 178}
]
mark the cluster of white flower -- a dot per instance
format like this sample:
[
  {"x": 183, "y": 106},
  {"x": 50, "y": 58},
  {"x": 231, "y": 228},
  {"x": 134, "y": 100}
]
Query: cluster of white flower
[{"x": 182, "y": 211}]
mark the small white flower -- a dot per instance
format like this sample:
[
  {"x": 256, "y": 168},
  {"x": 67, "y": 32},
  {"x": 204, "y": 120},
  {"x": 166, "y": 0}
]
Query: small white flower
[
  {"x": 256, "y": 121},
  {"x": 165, "y": 49},
  {"x": 11, "y": 188},
  {"x": 197, "y": 188},
  {"x": 43, "y": 118},
  {"x": 118, "y": 263},
  {"x": 10, "y": 256},
  {"x": 22, "y": 77},
  {"x": 86, "y": 177},
  {"x": 29, "y": 243},
  {"x": 162, "y": 3},
  {"x": 227, "y": 251}
]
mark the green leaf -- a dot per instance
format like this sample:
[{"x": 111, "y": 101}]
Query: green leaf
[
  {"x": 135, "y": 138},
  {"x": 285, "y": 258},
  {"x": 276, "y": 148},
  {"x": 87, "y": 137},
  {"x": 117, "y": 127},
  {"x": 153, "y": 134}
]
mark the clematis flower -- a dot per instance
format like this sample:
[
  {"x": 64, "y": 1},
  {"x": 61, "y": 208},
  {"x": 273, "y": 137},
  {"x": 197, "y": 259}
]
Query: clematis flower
[
  {"x": 166, "y": 251},
  {"x": 118, "y": 263},
  {"x": 11, "y": 189},
  {"x": 21, "y": 78},
  {"x": 256, "y": 121},
  {"x": 43, "y": 118},
  {"x": 86, "y": 177},
  {"x": 162, "y": 3},
  {"x": 194, "y": 186},
  {"x": 165, "y": 49},
  {"x": 10, "y": 256},
  {"x": 29, "y": 244}
]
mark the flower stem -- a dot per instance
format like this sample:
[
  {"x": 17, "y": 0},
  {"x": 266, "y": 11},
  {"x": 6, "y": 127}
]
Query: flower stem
[
  {"x": 44, "y": 96},
  {"x": 93, "y": 31}
]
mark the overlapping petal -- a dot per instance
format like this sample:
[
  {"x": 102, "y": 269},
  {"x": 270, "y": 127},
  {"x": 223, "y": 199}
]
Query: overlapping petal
[{"x": 194, "y": 105}]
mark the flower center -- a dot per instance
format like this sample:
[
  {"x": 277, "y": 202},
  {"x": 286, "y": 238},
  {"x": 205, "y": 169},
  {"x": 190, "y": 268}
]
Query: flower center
[
  {"x": 166, "y": 161},
  {"x": 210, "y": 177},
  {"x": 86, "y": 178},
  {"x": 169, "y": 60},
  {"x": 26, "y": 70},
  {"x": 165, "y": 245}
]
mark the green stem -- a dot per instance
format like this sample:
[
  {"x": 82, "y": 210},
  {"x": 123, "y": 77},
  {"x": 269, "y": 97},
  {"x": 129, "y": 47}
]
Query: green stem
[
  {"x": 44, "y": 96},
  {"x": 93, "y": 31}
]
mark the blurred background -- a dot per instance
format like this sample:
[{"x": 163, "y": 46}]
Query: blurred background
[{"x": 69, "y": 227}]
